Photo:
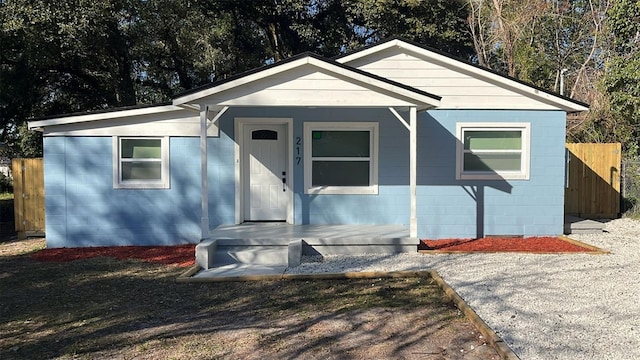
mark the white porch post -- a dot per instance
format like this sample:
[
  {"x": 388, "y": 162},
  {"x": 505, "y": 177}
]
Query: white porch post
[
  {"x": 204, "y": 219},
  {"x": 413, "y": 173}
]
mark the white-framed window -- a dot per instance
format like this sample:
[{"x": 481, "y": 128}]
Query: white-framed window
[
  {"x": 493, "y": 151},
  {"x": 341, "y": 158},
  {"x": 141, "y": 162}
]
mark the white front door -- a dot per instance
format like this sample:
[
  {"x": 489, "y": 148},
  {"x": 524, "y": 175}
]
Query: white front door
[{"x": 265, "y": 166}]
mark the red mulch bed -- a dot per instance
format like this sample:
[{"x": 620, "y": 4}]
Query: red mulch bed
[
  {"x": 184, "y": 255},
  {"x": 544, "y": 244},
  {"x": 180, "y": 255}
]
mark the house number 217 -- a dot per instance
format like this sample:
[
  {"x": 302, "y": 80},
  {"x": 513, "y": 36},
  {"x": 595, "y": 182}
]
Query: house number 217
[{"x": 298, "y": 143}]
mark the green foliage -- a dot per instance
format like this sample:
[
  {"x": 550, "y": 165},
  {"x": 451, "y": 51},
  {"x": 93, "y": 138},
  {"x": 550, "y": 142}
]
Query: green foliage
[
  {"x": 623, "y": 21},
  {"x": 22, "y": 143},
  {"x": 436, "y": 23},
  {"x": 534, "y": 67},
  {"x": 622, "y": 83},
  {"x": 535, "y": 40},
  {"x": 29, "y": 143},
  {"x": 61, "y": 57},
  {"x": 68, "y": 56},
  {"x": 76, "y": 52},
  {"x": 621, "y": 79},
  {"x": 6, "y": 185}
]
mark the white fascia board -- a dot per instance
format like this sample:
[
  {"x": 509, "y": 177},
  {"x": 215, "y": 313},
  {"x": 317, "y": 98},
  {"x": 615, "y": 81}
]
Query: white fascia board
[
  {"x": 471, "y": 70},
  {"x": 422, "y": 101},
  {"x": 74, "y": 119}
]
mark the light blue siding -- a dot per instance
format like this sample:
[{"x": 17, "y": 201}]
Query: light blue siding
[
  {"x": 390, "y": 206},
  {"x": 450, "y": 208},
  {"x": 83, "y": 209}
]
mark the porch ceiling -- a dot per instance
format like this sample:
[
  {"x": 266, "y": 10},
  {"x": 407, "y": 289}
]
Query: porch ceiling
[{"x": 309, "y": 81}]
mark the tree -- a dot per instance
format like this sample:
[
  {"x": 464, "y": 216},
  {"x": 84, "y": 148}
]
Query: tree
[
  {"x": 68, "y": 56},
  {"x": 621, "y": 80},
  {"x": 177, "y": 47},
  {"x": 437, "y": 23},
  {"x": 536, "y": 40},
  {"x": 63, "y": 57}
]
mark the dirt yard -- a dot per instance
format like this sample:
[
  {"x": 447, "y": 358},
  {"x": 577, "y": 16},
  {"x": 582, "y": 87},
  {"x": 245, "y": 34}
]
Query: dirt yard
[{"x": 109, "y": 308}]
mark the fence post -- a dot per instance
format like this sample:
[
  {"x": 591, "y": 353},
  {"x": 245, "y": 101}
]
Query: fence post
[{"x": 623, "y": 191}]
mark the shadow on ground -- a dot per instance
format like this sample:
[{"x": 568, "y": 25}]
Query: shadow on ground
[{"x": 110, "y": 308}]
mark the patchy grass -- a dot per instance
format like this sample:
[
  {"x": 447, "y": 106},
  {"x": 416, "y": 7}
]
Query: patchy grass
[
  {"x": 21, "y": 247},
  {"x": 108, "y": 308}
]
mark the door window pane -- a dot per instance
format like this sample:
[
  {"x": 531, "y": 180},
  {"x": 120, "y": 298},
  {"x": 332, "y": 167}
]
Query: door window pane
[{"x": 264, "y": 135}]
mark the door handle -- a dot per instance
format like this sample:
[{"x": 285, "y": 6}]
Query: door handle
[{"x": 284, "y": 181}]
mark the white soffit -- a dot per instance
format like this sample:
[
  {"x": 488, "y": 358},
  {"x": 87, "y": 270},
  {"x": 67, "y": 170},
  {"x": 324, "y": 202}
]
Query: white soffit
[
  {"x": 310, "y": 81},
  {"x": 468, "y": 69}
]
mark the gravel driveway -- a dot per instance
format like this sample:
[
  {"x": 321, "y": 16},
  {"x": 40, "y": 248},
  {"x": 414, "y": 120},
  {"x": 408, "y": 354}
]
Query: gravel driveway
[{"x": 544, "y": 306}]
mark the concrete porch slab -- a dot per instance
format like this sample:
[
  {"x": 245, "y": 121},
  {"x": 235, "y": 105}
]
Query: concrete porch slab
[
  {"x": 240, "y": 270},
  {"x": 275, "y": 233},
  {"x": 280, "y": 244}
]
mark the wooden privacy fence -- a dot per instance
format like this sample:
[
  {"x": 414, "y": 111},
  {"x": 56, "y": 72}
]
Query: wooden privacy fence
[
  {"x": 593, "y": 180},
  {"x": 28, "y": 194}
]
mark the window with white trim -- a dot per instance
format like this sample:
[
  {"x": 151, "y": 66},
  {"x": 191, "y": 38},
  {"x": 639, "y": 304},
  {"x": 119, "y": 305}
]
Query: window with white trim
[
  {"x": 341, "y": 158},
  {"x": 141, "y": 162},
  {"x": 492, "y": 151}
]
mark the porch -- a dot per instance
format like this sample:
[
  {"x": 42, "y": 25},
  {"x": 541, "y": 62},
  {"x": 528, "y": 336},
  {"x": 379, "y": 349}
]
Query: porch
[
  {"x": 307, "y": 81},
  {"x": 283, "y": 245}
]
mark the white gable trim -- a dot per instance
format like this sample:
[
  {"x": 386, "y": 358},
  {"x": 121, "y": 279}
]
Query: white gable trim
[
  {"x": 471, "y": 70},
  {"x": 398, "y": 94},
  {"x": 165, "y": 120}
]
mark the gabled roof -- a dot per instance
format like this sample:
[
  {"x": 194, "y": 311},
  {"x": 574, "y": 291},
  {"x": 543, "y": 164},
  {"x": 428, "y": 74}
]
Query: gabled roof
[
  {"x": 301, "y": 67},
  {"x": 347, "y": 85},
  {"x": 467, "y": 67}
]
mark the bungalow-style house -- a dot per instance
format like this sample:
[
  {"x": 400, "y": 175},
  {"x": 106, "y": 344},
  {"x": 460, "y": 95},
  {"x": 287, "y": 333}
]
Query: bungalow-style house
[{"x": 393, "y": 134}]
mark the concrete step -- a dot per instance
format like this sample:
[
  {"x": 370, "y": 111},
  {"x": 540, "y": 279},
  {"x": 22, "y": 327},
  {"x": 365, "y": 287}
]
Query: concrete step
[
  {"x": 576, "y": 225},
  {"x": 257, "y": 255},
  {"x": 359, "y": 246},
  {"x": 288, "y": 251}
]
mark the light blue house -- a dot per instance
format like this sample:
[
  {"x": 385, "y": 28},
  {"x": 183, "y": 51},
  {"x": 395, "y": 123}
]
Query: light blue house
[{"x": 394, "y": 134}]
